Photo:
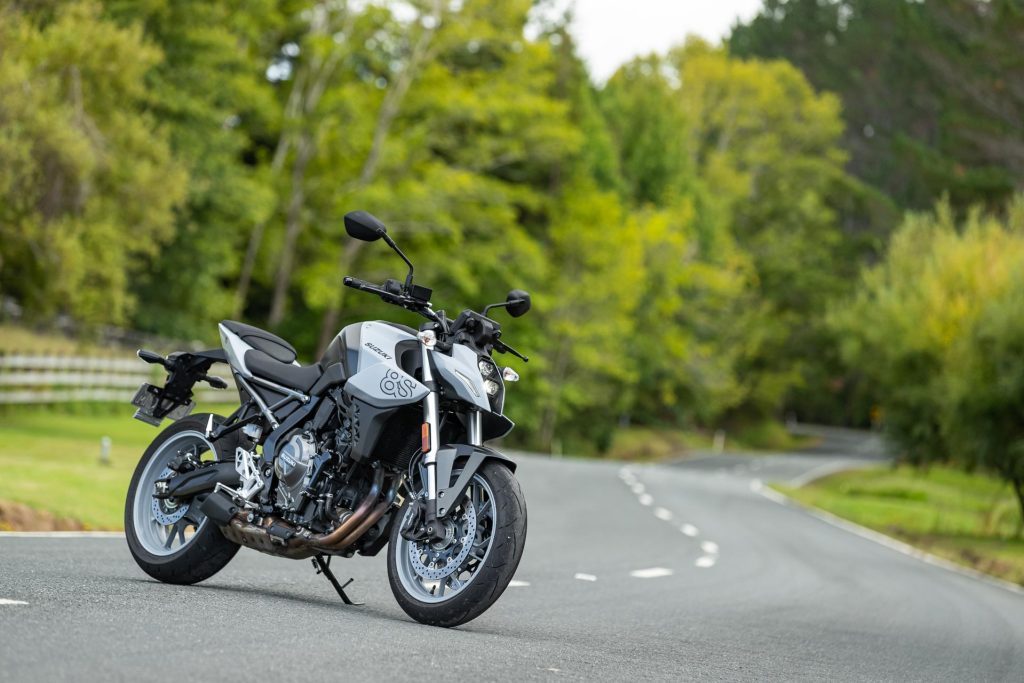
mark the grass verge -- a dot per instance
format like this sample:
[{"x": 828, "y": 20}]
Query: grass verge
[
  {"x": 971, "y": 519},
  {"x": 49, "y": 460}
]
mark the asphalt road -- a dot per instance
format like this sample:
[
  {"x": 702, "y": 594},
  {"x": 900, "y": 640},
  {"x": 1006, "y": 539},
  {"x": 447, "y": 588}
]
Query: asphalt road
[{"x": 647, "y": 572}]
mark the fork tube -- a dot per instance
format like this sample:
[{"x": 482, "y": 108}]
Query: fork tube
[
  {"x": 475, "y": 429},
  {"x": 430, "y": 417}
]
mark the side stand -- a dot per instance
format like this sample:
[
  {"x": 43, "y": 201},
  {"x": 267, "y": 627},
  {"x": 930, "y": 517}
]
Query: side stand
[{"x": 323, "y": 566}]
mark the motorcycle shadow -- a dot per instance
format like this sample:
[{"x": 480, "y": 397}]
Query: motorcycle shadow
[{"x": 333, "y": 603}]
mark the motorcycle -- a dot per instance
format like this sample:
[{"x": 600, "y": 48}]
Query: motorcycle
[{"x": 380, "y": 443}]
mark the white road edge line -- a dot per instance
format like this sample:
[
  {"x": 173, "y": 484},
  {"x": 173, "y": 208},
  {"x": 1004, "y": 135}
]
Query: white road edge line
[
  {"x": 705, "y": 562},
  {"x": 61, "y": 534},
  {"x": 882, "y": 539},
  {"x": 584, "y": 577},
  {"x": 652, "y": 573},
  {"x": 690, "y": 530},
  {"x": 518, "y": 584},
  {"x": 5, "y": 601}
]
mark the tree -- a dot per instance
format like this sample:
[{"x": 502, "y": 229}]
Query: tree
[
  {"x": 755, "y": 152},
  {"x": 210, "y": 93},
  {"x": 88, "y": 185},
  {"x": 933, "y": 92},
  {"x": 937, "y": 328}
]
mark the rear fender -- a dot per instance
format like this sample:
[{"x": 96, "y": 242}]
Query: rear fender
[{"x": 468, "y": 459}]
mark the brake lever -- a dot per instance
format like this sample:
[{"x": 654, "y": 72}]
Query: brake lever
[{"x": 502, "y": 347}]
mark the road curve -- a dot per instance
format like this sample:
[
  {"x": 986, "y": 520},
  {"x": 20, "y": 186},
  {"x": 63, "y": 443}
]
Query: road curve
[{"x": 645, "y": 572}]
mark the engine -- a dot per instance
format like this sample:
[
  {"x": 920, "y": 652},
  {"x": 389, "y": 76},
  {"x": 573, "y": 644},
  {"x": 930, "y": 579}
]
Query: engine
[{"x": 294, "y": 469}]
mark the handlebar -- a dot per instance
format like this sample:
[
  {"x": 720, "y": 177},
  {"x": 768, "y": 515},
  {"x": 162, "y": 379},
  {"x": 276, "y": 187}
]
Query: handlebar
[{"x": 393, "y": 292}]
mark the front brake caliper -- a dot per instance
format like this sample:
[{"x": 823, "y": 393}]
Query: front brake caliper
[{"x": 414, "y": 528}]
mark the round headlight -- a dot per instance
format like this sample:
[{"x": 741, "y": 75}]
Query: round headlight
[
  {"x": 486, "y": 369},
  {"x": 491, "y": 387}
]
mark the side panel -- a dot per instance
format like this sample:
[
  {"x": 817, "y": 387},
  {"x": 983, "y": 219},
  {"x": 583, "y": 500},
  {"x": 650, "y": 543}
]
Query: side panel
[
  {"x": 235, "y": 349},
  {"x": 378, "y": 380}
]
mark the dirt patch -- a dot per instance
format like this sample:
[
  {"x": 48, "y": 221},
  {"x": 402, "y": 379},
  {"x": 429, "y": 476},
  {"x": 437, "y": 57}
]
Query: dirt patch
[{"x": 18, "y": 517}]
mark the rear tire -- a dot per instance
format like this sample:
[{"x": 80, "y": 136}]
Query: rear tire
[
  {"x": 508, "y": 538},
  {"x": 206, "y": 551}
]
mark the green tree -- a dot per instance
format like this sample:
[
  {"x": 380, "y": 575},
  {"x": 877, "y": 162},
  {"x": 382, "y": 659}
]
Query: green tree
[
  {"x": 211, "y": 96},
  {"x": 936, "y": 326},
  {"x": 88, "y": 185},
  {"x": 932, "y": 91},
  {"x": 754, "y": 150}
]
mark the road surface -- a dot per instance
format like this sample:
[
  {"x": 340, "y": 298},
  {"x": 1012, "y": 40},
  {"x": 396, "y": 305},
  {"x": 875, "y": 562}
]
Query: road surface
[{"x": 672, "y": 572}]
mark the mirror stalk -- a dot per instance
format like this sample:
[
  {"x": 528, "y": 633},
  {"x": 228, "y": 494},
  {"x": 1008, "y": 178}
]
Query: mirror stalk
[{"x": 391, "y": 243}]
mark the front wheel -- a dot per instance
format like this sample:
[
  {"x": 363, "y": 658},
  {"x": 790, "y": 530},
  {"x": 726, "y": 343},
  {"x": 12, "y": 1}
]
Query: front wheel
[{"x": 452, "y": 582}]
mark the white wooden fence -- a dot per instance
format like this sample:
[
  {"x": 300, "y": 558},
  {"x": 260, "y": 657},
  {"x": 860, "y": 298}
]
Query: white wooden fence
[{"x": 26, "y": 378}]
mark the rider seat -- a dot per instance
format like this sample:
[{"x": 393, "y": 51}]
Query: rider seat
[{"x": 273, "y": 358}]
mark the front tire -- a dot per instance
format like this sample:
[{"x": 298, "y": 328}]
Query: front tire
[
  {"x": 488, "y": 532},
  {"x": 176, "y": 544}
]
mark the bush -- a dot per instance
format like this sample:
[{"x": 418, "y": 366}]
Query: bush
[{"x": 938, "y": 327}]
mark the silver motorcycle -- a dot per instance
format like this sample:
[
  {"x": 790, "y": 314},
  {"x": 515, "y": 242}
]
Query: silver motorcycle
[{"x": 380, "y": 443}]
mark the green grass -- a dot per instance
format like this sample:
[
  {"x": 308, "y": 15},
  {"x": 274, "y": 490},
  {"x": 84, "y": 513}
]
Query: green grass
[
  {"x": 49, "y": 460},
  {"x": 764, "y": 435},
  {"x": 652, "y": 443},
  {"x": 971, "y": 519}
]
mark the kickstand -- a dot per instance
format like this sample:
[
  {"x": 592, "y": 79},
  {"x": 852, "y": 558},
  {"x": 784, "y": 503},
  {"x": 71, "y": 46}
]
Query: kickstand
[{"x": 324, "y": 567}]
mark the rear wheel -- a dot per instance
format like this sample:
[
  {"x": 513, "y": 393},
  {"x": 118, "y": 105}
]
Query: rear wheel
[
  {"x": 172, "y": 540},
  {"x": 452, "y": 582}
]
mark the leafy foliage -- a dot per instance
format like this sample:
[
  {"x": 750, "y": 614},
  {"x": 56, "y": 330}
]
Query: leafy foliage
[
  {"x": 684, "y": 228},
  {"x": 937, "y": 326}
]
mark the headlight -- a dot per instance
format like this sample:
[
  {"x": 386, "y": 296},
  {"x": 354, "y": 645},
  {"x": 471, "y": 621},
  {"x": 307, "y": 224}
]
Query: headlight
[
  {"x": 491, "y": 387},
  {"x": 486, "y": 369}
]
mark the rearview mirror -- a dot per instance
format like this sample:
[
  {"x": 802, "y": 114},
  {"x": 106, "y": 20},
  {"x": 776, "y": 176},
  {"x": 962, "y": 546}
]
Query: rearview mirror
[
  {"x": 364, "y": 226},
  {"x": 517, "y": 303}
]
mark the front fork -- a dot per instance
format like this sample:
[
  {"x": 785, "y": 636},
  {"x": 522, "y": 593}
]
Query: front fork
[
  {"x": 428, "y": 340},
  {"x": 431, "y": 421}
]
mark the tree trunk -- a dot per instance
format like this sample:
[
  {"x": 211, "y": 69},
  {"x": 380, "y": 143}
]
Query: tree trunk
[
  {"x": 329, "y": 326},
  {"x": 1018, "y": 488},
  {"x": 291, "y": 110},
  {"x": 389, "y": 109},
  {"x": 549, "y": 418},
  {"x": 302, "y": 101},
  {"x": 293, "y": 226}
]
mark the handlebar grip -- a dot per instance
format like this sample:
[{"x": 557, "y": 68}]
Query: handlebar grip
[{"x": 356, "y": 283}]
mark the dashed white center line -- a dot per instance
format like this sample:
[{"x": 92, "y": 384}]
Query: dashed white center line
[
  {"x": 705, "y": 562},
  {"x": 662, "y": 513},
  {"x": 584, "y": 577},
  {"x": 645, "y": 499},
  {"x": 652, "y": 573},
  {"x": 710, "y": 547},
  {"x": 5, "y": 601},
  {"x": 690, "y": 530},
  {"x": 518, "y": 584},
  {"x": 637, "y": 488}
]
